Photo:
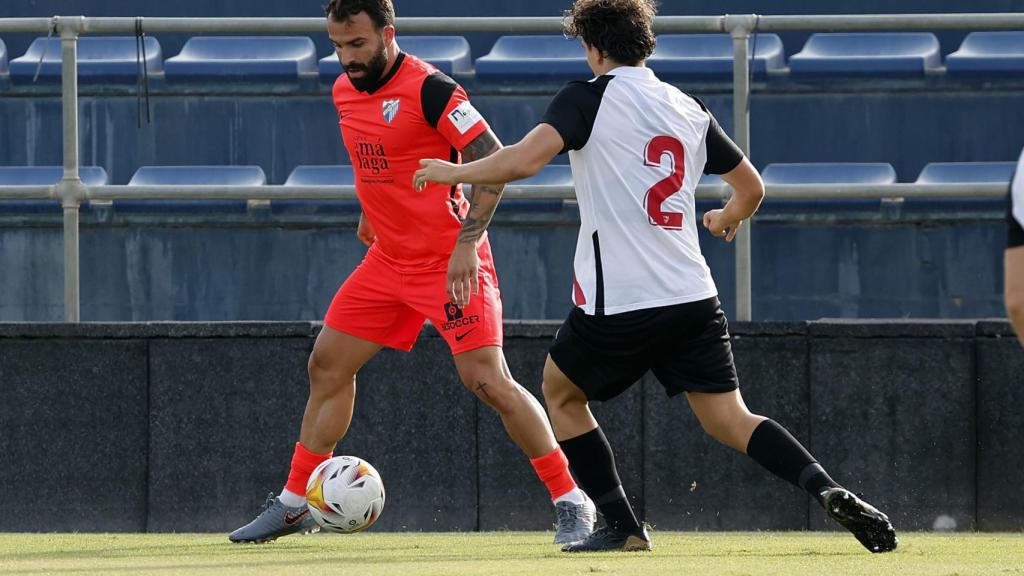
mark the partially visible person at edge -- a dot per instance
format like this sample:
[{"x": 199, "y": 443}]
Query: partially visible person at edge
[{"x": 1014, "y": 256}]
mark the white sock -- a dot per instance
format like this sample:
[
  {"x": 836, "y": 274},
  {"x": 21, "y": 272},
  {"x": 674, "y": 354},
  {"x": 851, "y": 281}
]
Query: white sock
[
  {"x": 291, "y": 499},
  {"x": 576, "y": 496}
]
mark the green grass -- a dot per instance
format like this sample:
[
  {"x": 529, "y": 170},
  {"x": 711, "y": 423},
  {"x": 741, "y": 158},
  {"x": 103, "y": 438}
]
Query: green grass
[{"x": 507, "y": 553}]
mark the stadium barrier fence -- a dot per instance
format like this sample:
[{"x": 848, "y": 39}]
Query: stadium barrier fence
[{"x": 71, "y": 192}]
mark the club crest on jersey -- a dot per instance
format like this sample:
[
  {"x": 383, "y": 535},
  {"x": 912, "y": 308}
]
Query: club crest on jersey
[{"x": 391, "y": 109}]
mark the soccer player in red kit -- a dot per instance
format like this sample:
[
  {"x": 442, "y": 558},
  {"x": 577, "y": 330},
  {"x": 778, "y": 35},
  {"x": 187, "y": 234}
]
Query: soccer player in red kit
[{"x": 428, "y": 258}]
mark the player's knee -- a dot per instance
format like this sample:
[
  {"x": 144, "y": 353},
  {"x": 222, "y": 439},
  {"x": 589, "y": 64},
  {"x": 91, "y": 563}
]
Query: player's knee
[
  {"x": 733, "y": 432},
  {"x": 499, "y": 393},
  {"x": 552, "y": 392},
  {"x": 718, "y": 432},
  {"x": 558, "y": 391},
  {"x": 326, "y": 377}
]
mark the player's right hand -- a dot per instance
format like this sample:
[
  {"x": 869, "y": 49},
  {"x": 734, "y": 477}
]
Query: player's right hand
[
  {"x": 365, "y": 230},
  {"x": 720, "y": 224}
]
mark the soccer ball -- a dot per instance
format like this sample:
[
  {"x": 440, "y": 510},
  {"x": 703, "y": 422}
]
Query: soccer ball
[{"x": 345, "y": 494}]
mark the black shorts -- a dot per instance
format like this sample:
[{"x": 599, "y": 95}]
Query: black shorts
[{"x": 686, "y": 346}]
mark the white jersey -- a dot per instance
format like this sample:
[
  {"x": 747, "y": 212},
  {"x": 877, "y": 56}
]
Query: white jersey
[
  {"x": 1016, "y": 212},
  {"x": 638, "y": 147}
]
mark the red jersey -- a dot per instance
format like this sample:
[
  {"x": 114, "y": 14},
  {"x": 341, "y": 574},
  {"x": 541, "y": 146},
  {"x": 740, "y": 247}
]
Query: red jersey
[{"x": 413, "y": 112}]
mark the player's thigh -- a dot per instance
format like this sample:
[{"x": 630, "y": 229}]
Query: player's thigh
[
  {"x": 602, "y": 355},
  {"x": 339, "y": 353},
  {"x": 715, "y": 409},
  {"x": 694, "y": 350},
  {"x": 558, "y": 388},
  {"x": 371, "y": 305}
]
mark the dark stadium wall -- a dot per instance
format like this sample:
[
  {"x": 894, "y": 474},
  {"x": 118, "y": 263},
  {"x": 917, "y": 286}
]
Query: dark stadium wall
[{"x": 186, "y": 427}]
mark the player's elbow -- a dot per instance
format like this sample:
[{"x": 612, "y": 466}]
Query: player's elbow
[
  {"x": 746, "y": 183},
  {"x": 756, "y": 190},
  {"x": 751, "y": 191}
]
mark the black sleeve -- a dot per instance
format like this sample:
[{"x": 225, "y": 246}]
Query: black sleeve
[
  {"x": 723, "y": 154},
  {"x": 435, "y": 94},
  {"x": 1016, "y": 231},
  {"x": 573, "y": 110}
]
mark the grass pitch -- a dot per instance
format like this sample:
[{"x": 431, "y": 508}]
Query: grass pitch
[{"x": 506, "y": 553}]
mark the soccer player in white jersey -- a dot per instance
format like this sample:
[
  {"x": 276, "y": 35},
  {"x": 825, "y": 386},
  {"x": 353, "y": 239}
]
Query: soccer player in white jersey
[
  {"x": 644, "y": 297},
  {"x": 1015, "y": 253}
]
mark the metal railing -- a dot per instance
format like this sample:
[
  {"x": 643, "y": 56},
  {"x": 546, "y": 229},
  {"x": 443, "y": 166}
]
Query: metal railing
[{"x": 71, "y": 192}]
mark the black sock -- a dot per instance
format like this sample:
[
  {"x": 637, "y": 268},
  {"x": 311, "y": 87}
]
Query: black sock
[
  {"x": 592, "y": 461},
  {"x": 773, "y": 447}
]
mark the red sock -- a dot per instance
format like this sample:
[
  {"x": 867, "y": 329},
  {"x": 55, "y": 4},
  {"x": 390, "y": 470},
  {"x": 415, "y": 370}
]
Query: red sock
[
  {"x": 553, "y": 469},
  {"x": 303, "y": 463}
]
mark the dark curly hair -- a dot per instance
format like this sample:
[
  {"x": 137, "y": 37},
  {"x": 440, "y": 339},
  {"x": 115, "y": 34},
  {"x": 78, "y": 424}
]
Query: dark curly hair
[
  {"x": 621, "y": 29},
  {"x": 380, "y": 11}
]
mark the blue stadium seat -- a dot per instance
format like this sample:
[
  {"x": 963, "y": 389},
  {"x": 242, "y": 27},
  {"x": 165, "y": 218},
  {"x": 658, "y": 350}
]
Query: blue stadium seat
[
  {"x": 826, "y": 173},
  {"x": 962, "y": 173},
  {"x": 101, "y": 59},
  {"x": 868, "y": 54},
  {"x": 450, "y": 54},
  {"x": 43, "y": 176},
  {"x": 989, "y": 54},
  {"x": 966, "y": 172},
  {"x": 247, "y": 58},
  {"x": 339, "y": 175},
  {"x": 532, "y": 58},
  {"x": 550, "y": 175},
  {"x": 829, "y": 173},
  {"x": 709, "y": 56},
  {"x": 192, "y": 176}
]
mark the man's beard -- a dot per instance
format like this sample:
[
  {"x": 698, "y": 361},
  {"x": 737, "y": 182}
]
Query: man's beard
[{"x": 373, "y": 71}]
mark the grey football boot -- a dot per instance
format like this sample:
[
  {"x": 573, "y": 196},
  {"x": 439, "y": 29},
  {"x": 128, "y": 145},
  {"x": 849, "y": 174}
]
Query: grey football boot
[
  {"x": 275, "y": 520},
  {"x": 575, "y": 521}
]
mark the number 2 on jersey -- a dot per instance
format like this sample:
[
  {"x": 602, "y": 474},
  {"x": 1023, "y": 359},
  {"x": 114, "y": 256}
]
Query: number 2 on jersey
[{"x": 669, "y": 185}]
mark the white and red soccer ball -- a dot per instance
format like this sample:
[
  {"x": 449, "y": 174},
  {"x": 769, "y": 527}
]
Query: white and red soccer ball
[{"x": 345, "y": 494}]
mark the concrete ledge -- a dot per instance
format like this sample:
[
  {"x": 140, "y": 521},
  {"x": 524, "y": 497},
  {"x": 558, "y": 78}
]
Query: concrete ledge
[
  {"x": 136, "y": 330},
  {"x": 882, "y": 328}
]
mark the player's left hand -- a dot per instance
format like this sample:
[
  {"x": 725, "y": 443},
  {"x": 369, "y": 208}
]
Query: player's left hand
[
  {"x": 433, "y": 170},
  {"x": 720, "y": 224},
  {"x": 463, "y": 274}
]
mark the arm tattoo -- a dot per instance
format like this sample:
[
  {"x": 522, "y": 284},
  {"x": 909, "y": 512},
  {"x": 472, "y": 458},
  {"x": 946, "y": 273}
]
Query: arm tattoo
[{"x": 483, "y": 200}]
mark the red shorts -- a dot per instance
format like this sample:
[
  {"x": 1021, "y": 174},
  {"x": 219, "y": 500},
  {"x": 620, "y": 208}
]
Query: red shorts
[{"x": 380, "y": 304}]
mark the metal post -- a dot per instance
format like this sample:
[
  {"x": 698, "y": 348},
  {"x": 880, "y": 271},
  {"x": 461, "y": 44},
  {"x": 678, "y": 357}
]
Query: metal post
[
  {"x": 740, "y": 27},
  {"x": 69, "y": 188}
]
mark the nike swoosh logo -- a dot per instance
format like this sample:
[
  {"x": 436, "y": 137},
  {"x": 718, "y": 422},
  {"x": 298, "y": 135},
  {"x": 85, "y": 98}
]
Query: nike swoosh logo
[
  {"x": 290, "y": 518},
  {"x": 459, "y": 337}
]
